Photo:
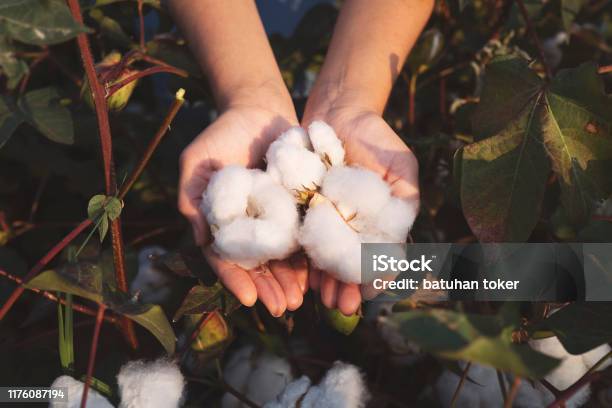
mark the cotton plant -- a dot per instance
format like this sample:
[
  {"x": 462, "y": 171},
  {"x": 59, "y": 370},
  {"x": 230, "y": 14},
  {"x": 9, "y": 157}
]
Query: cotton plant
[
  {"x": 155, "y": 384},
  {"x": 254, "y": 215},
  {"x": 484, "y": 390}
]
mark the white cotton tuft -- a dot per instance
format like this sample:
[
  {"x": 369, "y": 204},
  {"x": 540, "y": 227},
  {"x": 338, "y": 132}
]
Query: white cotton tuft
[
  {"x": 325, "y": 143},
  {"x": 342, "y": 387},
  {"x": 261, "y": 377},
  {"x": 151, "y": 282},
  {"x": 74, "y": 389},
  {"x": 296, "y": 136},
  {"x": 291, "y": 164},
  {"x": 156, "y": 384},
  {"x": 357, "y": 207},
  {"x": 331, "y": 243},
  {"x": 292, "y": 393},
  {"x": 253, "y": 219},
  {"x": 572, "y": 367}
]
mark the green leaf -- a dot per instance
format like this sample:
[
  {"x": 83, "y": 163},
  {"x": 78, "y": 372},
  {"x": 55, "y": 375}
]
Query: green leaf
[
  {"x": 483, "y": 339},
  {"x": 9, "y": 120},
  {"x": 202, "y": 299},
  {"x": 111, "y": 29},
  {"x": 11, "y": 67},
  {"x": 39, "y": 22},
  {"x": 113, "y": 208},
  {"x": 582, "y": 326},
  {"x": 578, "y": 137},
  {"x": 156, "y": 322},
  {"x": 153, "y": 318},
  {"x": 213, "y": 336},
  {"x": 42, "y": 110},
  {"x": 95, "y": 206},
  {"x": 103, "y": 227},
  {"x": 509, "y": 86},
  {"x": 569, "y": 11},
  {"x": 426, "y": 51}
]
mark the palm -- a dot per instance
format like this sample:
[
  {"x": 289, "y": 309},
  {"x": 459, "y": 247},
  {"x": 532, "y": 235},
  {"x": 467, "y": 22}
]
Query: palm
[
  {"x": 369, "y": 142},
  {"x": 239, "y": 136}
]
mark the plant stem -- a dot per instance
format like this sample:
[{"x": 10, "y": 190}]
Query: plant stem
[
  {"x": 41, "y": 264},
  {"x": 535, "y": 37},
  {"x": 141, "y": 24},
  {"x": 101, "y": 109},
  {"x": 92, "y": 353},
  {"x": 513, "y": 391},
  {"x": 460, "y": 383},
  {"x": 161, "y": 132},
  {"x": 573, "y": 389},
  {"x": 140, "y": 74},
  {"x": 411, "y": 99},
  {"x": 98, "y": 95}
]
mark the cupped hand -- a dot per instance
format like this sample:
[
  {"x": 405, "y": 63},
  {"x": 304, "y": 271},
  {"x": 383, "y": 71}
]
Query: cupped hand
[
  {"x": 369, "y": 142},
  {"x": 240, "y": 135}
]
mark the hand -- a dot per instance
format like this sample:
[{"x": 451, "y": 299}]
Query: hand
[
  {"x": 241, "y": 135},
  {"x": 370, "y": 143}
]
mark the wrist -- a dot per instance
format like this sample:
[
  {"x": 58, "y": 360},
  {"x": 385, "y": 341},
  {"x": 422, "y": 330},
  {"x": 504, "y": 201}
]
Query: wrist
[
  {"x": 268, "y": 96},
  {"x": 333, "y": 99}
]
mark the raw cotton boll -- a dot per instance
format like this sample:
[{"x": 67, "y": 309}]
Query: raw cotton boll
[
  {"x": 296, "y": 136},
  {"x": 261, "y": 377},
  {"x": 331, "y": 243},
  {"x": 572, "y": 367},
  {"x": 151, "y": 282},
  {"x": 342, "y": 387},
  {"x": 253, "y": 219},
  {"x": 325, "y": 143},
  {"x": 354, "y": 190},
  {"x": 291, "y": 394},
  {"x": 396, "y": 218},
  {"x": 294, "y": 166},
  {"x": 74, "y": 389},
  {"x": 227, "y": 195},
  {"x": 156, "y": 384}
]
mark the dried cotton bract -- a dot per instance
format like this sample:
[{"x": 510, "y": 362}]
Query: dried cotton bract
[
  {"x": 156, "y": 384},
  {"x": 356, "y": 206},
  {"x": 253, "y": 219}
]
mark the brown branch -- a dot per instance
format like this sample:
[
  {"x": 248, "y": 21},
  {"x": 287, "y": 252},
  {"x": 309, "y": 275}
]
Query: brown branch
[
  {"x": 52, "y": 297},
  {"x": 140, "y": 74},
  {"x": 98, "y": 95},
  {"x": 460, "y": 383},
  {"x": 513, "y": 391},
  {"x": 535, "y": 37},
  {"x": 106, "y": 143},
  {"x": 41, "y": 264},
  {"x": 605, "y": 69},
  {"x": 163, "y": 129},
  {"x": 141, "y": 23},
  {"x": 92, "y": 353}
]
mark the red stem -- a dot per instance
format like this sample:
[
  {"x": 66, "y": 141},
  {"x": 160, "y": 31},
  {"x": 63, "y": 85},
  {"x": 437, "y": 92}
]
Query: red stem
[
  {"x": 513, "y": 391},
  {"x": 41, "y": 264},
  {"x": 98, "y": 96},
  {"x": 141, "y": 21},
  {"x": 535, "y": 37},
  {"x": 92, "y": 353},
  {"x": 140, "y": 74}
]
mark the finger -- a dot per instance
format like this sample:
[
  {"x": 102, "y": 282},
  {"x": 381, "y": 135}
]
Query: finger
[
  {"x": 234, "y": 278},
  {"x": 314, "y": 278},
  {"x": 192, "y": 183},
  {"x": 269, "y": 290},
  {"x": 403, "y": 176},
  {"x": 287, "y": 278},
  {"x": 299, "y": 263},
  {"x": 329, "y": 290},
  {"x": 349, "y": 298}
]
